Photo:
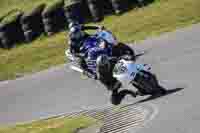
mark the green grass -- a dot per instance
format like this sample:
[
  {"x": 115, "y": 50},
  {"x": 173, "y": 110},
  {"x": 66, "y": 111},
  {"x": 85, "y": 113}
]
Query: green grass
[
  {"x": 23, "y": 5},
  {"x": 30, "y": 58},
  {"x": 11, "y": 17},
  {"x": 52, "y": 125},
  {"x": 137, "y": 24},
  {"x": 161, "y": 16}
]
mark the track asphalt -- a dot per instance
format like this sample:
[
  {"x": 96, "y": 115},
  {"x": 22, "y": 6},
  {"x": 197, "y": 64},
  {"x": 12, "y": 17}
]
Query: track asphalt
[{"x": 175, "y": 59}]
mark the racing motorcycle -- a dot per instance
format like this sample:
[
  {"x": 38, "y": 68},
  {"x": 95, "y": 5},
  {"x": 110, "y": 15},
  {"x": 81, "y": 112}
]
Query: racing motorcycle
[
  {"x": 138, "y": 75},
  {"x": 118, "y": 49}
]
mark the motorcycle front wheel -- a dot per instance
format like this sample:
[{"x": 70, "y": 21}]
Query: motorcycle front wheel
[
  {"x": 152, "y": 83},
  {"x": 146, "y": 83}
]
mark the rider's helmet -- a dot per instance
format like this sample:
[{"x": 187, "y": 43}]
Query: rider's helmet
[
  {"x": 73, "y": 24},
  {"x": 76, "y": 34}
]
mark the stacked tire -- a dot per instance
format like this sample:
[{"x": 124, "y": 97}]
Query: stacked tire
[
  {"x": 74, "y": 11},
  {"x": 10, "y": 30},
  {"x": 105, "y": 7},
  {"x": 95, "y": 11},
  {"x": 32, "y": 24},
  {"x": 54, "y": 17},
  {"x": 117, "y": 6},
  {"x": 5, "y": 40},
  {"x": 1, "y": 46}
]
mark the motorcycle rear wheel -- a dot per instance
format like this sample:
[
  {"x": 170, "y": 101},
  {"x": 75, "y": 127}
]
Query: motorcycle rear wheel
[
  {"x": 152, "y": 81},
  {"x": 146, "y": 83}
]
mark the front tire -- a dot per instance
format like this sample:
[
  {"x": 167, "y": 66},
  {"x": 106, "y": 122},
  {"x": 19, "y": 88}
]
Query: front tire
[
  {"x": 147, "y": 83},
  {"x": 154, "y": 84}
]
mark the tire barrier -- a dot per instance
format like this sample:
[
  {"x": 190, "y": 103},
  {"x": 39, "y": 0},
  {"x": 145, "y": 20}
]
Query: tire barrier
[
  {"x": 117, "y": 6},
  {"x": 1, "y": 46},
  {"x": 7, "y": 14},
  {"x": 53, "y": 17},
  {"x": 105, "y": 7},
  {"x": 74, "y": 11},
  {"x": 10, "y": 30},
  {"x": 120, "y": 6},
  {"x": 32, "y": 24},
  {"x": 95, "y": 10}
]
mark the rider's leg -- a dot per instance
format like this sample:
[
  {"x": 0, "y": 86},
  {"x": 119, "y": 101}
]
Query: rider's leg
[
  {"x": 83, "y": 65},
  {"x": 105, "y": 76}
]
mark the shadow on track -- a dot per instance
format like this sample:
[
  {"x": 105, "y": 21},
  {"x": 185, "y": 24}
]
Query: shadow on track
[
  {"x": 117, "y": 97},
  {"x": 159, "y": 95}
]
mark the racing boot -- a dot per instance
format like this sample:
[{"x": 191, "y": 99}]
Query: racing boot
[{"x": 90, "y": 74}]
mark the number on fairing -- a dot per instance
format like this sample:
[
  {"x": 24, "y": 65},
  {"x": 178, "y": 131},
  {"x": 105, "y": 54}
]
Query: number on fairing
[
  {"x": 120, "y": 68},
  {"x": 132, "y": 74}
]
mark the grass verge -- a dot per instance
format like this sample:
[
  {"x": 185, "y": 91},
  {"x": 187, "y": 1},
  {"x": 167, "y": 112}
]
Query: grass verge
[
  {"x": 52, "y": 125},
  {"x": 137, "y": 24}
]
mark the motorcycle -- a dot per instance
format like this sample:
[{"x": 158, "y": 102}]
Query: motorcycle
[
  {"x": 118, "y": 49},
  {"x": 138, "y": 75}
]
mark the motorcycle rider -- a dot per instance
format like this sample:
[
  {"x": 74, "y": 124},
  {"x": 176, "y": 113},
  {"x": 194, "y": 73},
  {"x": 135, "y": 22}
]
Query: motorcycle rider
[
  {"x": 77, "y": 35},
  {"x": 96, "y": 56},
  {"x": 77, "y": 38},
  {"x": 94, "y": 53}
]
